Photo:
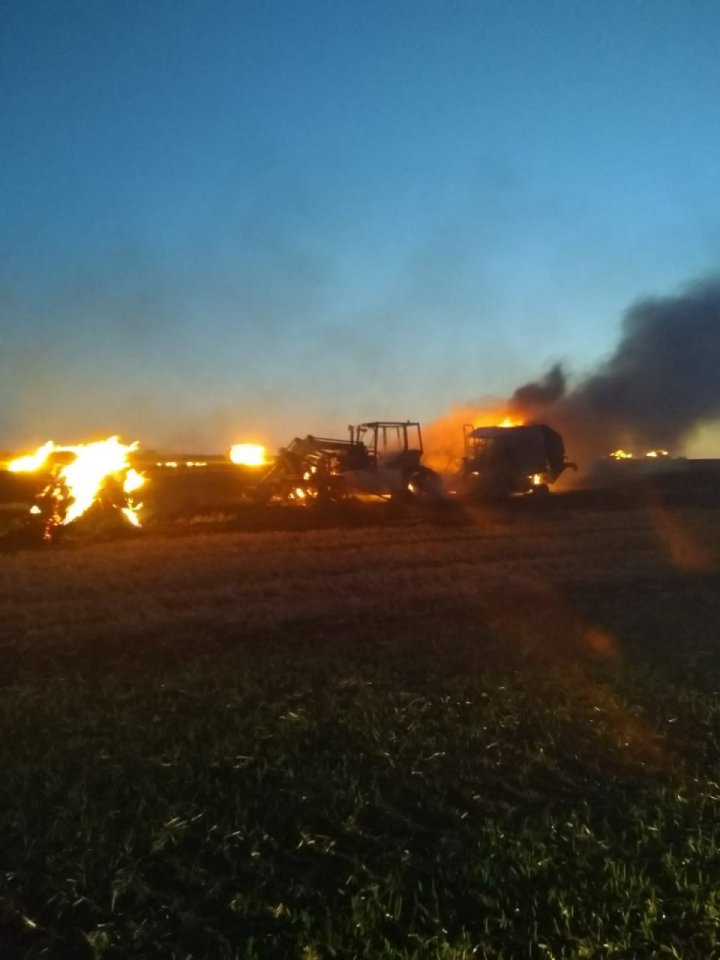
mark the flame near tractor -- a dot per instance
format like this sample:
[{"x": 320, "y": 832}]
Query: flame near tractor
[
  {"x": 378, "y": 460},
  {"x": 248, "y": 455}
]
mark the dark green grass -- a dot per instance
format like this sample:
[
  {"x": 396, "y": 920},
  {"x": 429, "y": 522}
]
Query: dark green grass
[{"x": 462, "y": 780}]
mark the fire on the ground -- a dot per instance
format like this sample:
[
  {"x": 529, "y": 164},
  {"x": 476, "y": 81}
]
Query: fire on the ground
[{"x": 80, "y": 475}]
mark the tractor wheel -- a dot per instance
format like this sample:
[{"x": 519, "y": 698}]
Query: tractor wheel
[{"x": 424, "y": 485}]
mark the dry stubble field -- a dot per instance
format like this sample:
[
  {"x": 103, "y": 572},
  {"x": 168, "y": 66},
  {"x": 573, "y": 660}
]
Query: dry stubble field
[{"x": 484, "y": 734}]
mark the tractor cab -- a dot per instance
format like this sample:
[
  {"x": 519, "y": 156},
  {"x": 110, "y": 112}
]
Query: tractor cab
[{"x": 394, "y": 444}]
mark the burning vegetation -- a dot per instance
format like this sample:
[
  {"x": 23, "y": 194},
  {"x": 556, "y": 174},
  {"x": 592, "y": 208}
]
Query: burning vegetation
[
  {"x": 658, "y": 385},
  {"x": 79, "y": 478},
  {"x": 625, "y": 455},
  {"x": 248, "y": 455}
]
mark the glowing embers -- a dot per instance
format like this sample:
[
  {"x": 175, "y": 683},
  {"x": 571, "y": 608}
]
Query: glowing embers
[
  {"x": 248, "y": 455},
  {"x": 625, "y": 455},
  {"x": 81, "y": 476}
]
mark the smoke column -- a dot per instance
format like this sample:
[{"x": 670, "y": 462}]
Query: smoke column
[{"x": 662, "y": 380}]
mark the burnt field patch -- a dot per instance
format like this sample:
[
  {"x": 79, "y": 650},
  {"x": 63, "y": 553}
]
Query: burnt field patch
[{"x": 487, "y": 735}]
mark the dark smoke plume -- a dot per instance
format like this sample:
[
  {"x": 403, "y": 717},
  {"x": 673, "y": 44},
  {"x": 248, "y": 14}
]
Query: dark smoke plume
[
  {"x": 662, "y": 380},
  {"x": 540, "y": 393}
]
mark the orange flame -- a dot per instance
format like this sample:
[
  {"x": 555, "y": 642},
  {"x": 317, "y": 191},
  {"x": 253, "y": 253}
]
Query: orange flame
[
  {"x": 443, "y": 439},
  {"x": 248, "y": 454},
  {"x": 33, "y": 461},
  {"x": 626, "y": 455},
  {"x": 77, "y": 485}
]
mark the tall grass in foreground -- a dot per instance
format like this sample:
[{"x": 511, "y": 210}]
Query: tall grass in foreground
[{"x": 494, "y": 743}]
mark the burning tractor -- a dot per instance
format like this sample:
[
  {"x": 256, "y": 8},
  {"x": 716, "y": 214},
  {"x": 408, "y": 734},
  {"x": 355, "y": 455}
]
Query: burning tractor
[
  {"x": 505, "y": 461},
  {"x": 379, "y": 459}
]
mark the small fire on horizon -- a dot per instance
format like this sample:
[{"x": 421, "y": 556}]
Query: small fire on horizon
[
  {"x": 248, "y": 455},
  {"x": 625, "y": 455}
]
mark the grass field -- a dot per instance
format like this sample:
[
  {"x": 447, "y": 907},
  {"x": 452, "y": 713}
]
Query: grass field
[{"x": 492, "y": 734}]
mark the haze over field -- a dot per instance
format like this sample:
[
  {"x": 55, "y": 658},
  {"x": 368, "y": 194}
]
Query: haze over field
[{"x": 248, "y": 221}]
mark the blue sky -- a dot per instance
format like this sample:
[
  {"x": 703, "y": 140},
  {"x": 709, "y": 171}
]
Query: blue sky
[{"x": 226, "y": 220}]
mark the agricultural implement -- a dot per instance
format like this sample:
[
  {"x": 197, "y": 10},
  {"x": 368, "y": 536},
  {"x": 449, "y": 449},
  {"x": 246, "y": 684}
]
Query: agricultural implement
[
  {"x": 381, "y": 458},
  {"x": 506, "y": 461}
]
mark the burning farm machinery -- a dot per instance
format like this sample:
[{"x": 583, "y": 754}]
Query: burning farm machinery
[
  {"x": 378, "y": 459},
  {"x": 505, "y": 461}
]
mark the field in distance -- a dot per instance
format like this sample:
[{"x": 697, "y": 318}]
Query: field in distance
[{"x": 493, "y": 733}]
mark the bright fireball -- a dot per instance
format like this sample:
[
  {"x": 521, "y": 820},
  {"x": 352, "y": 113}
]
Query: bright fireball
[{"x": 248, "y": 454}]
